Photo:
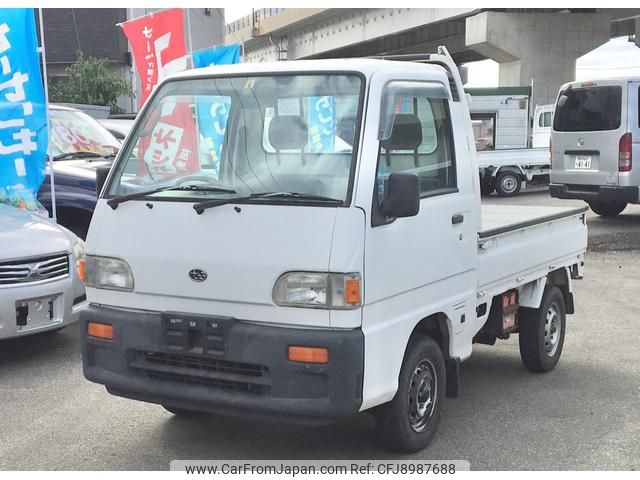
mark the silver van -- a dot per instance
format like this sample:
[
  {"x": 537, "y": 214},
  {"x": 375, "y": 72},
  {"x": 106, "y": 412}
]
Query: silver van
[{"x": 595, "y": 136}]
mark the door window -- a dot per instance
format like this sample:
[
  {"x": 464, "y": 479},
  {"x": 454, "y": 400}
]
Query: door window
[{"x": 433, "y": 158}]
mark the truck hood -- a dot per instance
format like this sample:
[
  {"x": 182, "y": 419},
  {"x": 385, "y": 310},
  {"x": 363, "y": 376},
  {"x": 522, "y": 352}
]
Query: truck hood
[
  {"x": 23, "y": 235},
  {"x": 243, "y": 249}
]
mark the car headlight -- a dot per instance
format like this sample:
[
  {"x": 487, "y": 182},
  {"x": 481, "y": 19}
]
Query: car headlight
[
  {"x": 318, "y": 290},
  {"x": 108, "y": 273}
]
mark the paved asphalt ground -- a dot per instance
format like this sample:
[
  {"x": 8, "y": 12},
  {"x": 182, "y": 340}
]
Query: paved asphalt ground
[{"x": 583, "y": 415}]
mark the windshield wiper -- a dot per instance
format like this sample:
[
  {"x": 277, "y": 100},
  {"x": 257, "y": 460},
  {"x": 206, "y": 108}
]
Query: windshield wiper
[
  {"x": 115, "y": 201},
  {"x": 202, "y": 206},
  {"x": 67, "y": 155},
  {"x": 302, "y": 196}
]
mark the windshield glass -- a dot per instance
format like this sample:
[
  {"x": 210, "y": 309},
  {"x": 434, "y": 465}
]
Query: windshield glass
[
  {"x": 234, "y": 137},
  {"x": 74, "y": 131},
  {"x": 588, "y": 109}
]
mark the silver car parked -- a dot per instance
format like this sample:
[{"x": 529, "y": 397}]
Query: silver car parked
[
  {"x": 39, "y": 286},
  {"x": 594, "y": 139}
]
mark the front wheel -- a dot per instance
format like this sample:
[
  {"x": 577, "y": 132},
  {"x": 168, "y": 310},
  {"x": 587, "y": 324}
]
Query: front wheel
[
  {"x": 409, "y": 422},
  {"x": 608, "y": 209},
  {"x": 542, "y": 331}
]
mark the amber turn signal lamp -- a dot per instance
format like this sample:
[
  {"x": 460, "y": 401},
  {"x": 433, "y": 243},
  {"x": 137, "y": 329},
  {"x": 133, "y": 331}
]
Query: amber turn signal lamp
[
  {"x": 308, "y": 354},
  {"x": 100, "y": 330},
  {"x": 82, "y": 274},
  {"x": 352, "y": 291}
]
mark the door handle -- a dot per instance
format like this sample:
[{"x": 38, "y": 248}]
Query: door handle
[{"x": 459, "y": 218}]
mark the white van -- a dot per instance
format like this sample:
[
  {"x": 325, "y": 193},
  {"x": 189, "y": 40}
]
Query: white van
[{"x": 595, "y": 136}]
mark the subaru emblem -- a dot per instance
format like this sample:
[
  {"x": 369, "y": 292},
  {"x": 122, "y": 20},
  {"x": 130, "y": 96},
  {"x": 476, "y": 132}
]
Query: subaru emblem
[{"x": 197, "y": 275}]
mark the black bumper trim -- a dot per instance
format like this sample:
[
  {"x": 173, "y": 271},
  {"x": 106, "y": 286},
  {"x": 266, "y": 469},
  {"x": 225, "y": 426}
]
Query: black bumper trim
[
  {"x": 588, "y": 193},
  {"x": 253, "y": 355}
]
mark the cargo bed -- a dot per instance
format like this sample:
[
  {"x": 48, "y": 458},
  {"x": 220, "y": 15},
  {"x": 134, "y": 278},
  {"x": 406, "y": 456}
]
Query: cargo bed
[{"x": 519, "y": 244}]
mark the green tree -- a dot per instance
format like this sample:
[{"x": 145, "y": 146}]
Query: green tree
[{"x": 90, "y": 81}]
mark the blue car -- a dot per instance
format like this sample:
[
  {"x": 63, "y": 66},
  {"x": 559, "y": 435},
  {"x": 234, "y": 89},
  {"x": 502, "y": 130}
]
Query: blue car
[{"x": 78, "y": 146}]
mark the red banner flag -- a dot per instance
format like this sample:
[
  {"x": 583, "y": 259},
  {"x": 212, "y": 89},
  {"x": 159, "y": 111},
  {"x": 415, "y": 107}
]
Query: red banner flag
[
  {"x": 157, "y": 41},
  {"x": 171, "y": 150}
]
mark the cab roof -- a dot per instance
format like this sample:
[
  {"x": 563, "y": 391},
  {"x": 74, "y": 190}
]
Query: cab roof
[{"x": 366, "y": 66}]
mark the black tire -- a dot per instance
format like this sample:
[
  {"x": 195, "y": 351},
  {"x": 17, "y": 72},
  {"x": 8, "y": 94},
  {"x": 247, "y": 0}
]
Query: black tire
[
  {"x": 542, "y": 332},
  {"x": 608, "y": 209},
  {"x": 182, "y": 412},
  {"x": 401, "y": 427},
  {"x": 508, "y": 184}
]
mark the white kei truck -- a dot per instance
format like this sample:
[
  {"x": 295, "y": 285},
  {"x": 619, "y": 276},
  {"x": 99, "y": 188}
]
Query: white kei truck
[{"x": 327, "y": 255}]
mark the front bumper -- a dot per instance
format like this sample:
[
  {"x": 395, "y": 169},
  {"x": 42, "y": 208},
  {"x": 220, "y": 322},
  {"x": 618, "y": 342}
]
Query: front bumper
[
  {"x": 599, "y": 193},
  {"x": 67, "y": 295},
  {"x": 240, "y": 368}
]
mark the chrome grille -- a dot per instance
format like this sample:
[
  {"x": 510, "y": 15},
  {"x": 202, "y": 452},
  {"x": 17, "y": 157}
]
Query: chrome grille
[{"x": 28, "y": 270}]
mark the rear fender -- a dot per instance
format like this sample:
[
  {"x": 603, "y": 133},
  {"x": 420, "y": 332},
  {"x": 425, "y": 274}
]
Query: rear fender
[{"x": 530, "y": 295}]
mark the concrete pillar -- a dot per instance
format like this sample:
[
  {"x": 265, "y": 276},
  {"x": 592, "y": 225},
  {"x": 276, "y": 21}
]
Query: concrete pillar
[{"x": 542, "y": 47}]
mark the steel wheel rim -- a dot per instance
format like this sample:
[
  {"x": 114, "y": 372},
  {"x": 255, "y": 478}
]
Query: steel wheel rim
[
  {"x": 423, "y": 394},
  {"x": 509, "y": 183},
  {"x": 552, "y": 330}
]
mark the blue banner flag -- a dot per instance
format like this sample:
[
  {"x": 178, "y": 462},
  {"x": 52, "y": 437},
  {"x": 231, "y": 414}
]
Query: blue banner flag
[
  {"x": 23, "y": 111},
  {"x": 214, "y": 112},
  {"x": 226, "y": 55},
  {"x": 322, "y": 124}
]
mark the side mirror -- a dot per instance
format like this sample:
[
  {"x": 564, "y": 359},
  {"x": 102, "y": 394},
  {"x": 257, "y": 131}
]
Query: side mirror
[
  {"x": 401, "y": 195},
  {"x": 101, "y": 178}
]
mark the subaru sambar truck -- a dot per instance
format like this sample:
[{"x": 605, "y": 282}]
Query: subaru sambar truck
[{"x": 305, "y": 240}]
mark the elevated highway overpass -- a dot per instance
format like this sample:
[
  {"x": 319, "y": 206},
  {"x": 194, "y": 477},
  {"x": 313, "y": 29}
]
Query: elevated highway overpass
[{"x": 539, "y": 45}]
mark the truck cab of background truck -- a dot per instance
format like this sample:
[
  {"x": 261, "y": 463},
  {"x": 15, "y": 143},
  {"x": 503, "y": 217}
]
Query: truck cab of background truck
[{"x": 289, "y": 273}]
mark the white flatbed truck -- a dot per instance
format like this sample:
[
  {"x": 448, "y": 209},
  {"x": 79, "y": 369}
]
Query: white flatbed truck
[
  {"x": 308, "y": 278},
  {"x": 506, "y": 171}
]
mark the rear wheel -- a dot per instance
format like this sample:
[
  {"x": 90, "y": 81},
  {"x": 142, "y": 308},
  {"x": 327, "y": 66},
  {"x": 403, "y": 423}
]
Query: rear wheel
[
  {"x": 542, "y": 331},
  {"x": 409, "y": 422},
  {"x": 508, "y": 184},
  {"x": 608, "y": 209}
]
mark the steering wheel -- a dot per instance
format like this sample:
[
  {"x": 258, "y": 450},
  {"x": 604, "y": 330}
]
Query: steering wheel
[{"x": 195, "y": 178}]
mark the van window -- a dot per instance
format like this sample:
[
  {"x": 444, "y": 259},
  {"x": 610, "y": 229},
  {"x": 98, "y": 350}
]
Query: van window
[{"x": 588, "y": 109}]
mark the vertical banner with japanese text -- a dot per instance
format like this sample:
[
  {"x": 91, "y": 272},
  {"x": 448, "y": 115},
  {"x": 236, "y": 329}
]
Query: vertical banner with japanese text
[
  {"x": 157, "y": 42},
  {"x": 213, "y": 112},
  {"x": 322, "y": 124},
  {"x": 23, "y": 110}
]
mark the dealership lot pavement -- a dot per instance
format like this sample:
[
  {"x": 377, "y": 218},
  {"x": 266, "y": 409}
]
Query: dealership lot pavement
[{"x": 583, "y": 415}]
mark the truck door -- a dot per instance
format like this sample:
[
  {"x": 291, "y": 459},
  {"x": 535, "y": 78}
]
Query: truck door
[{"x": 421, "y": 265}]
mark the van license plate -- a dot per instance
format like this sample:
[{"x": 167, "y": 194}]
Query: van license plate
[{"x": 583, "y": 161}]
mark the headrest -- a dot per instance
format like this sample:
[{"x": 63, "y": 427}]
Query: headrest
[
  {"x": 406, "y": 133},
  {"x": 288, "y": 132}
]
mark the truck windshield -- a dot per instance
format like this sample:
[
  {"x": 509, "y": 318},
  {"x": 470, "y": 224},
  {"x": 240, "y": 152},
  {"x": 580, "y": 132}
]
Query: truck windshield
[
  {"x": 221, "y": 138},
  {"x": 588, "y": 109}
]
